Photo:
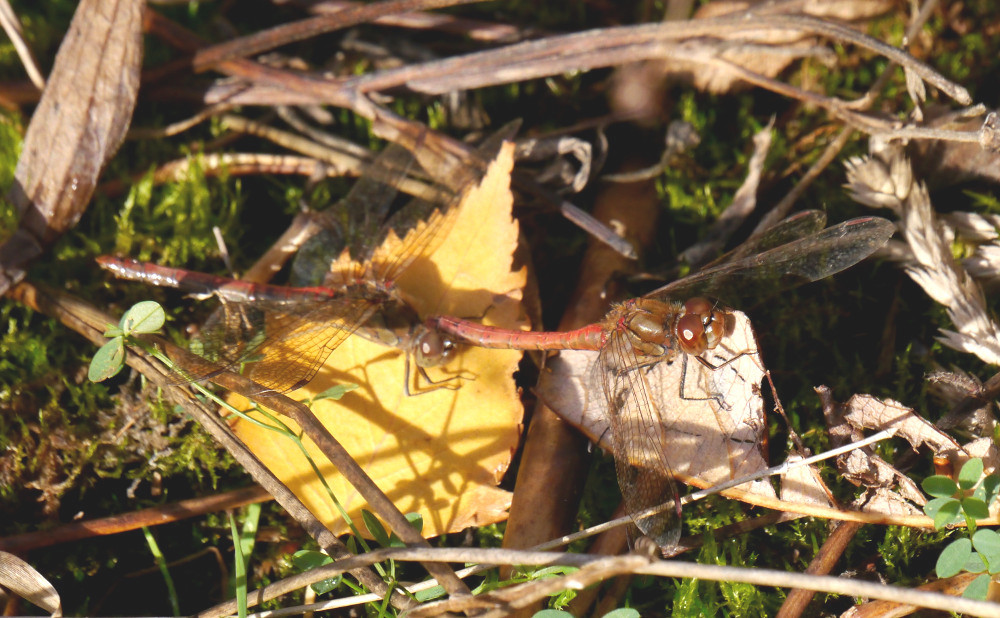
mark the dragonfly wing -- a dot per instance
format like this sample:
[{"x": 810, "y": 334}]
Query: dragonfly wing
[
  {"x": 807, "y": 259},
  {"x": 787, "y": 230},
  {"x": 426, "y": 221},
  {"x": 297, "y": 335},
  {"x": 356, "y": 220},
  {"x": 638, "y": 444}
]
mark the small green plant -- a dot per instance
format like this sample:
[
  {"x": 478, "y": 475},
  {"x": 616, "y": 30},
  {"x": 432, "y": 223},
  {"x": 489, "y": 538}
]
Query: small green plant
[
  {"x": 621, "y": 612},
  {"x": 967, "y": 500},
  {"x": 142, "y": 318}
]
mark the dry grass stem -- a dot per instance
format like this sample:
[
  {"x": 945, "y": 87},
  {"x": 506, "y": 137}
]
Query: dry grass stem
[{"x": 885, "y": 180}]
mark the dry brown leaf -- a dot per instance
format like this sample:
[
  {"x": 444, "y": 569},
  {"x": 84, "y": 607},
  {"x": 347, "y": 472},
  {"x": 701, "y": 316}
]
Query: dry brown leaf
[
  {"x": 886, "y": 501},
  {"x": 985, "y": 449},
  {"x": 766, "y": 51},
  {"x": 867, "y": 412},
  {"x": 804, "y": 485},
  {"x": 889, "y": 490},
  {"x": 708, "y": 443},
  {"x": 23, "y": 580},
  {"x": 440, "y": 452},
  {"x": 80, "y": 121}
]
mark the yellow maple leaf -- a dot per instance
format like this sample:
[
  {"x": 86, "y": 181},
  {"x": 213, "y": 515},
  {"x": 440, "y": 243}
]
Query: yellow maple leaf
[{"x": 441, "y": 451}]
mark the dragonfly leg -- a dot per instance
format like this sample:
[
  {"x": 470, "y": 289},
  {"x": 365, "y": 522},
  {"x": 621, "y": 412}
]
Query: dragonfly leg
[
  {"x": 718, "y": 398},
  {"x": 711, "y": 367},
  {"x": 431, "y": 385}
]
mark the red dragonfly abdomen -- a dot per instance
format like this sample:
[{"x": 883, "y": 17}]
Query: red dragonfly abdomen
[{"x": 587, "y": 338}]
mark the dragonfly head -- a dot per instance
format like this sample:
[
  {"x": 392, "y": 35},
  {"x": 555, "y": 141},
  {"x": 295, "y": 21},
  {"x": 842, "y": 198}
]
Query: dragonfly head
[
  {"x": 702, "y": 325},
  {"x": 433, "y": 348}
]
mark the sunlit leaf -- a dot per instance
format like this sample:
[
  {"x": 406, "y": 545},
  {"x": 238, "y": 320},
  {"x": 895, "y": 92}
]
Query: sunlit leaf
[
  {"x": 975, "y": 508},
  {"x": 107, "y": 361},
  {"x": 991, "y": 484},
  {"x": 970, "y": 474},
  {"x": 939, "y": 486},
  {"x": 306, "y": 560},
  {"x": 429, "y": 594},
  {"x": 143, "y": 317},
  {"x": 375, "y": 528},
  {"x": 622, "y": 612},
  {"x": 948, "y": 513},
  {"x": 335, "y": 392},
  {"x": 975, "y": 563},
  {"x": 954, "y": 558},
  {"x": 978, "y": 588},
  {"x": 933, "y": 506},
  {"x": 987, "y": 542},
  {"x": 441, "y": 451},
  {"x": 416, "y": 520}
]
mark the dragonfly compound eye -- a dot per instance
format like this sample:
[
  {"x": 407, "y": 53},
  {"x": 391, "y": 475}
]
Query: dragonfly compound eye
[
  {"x": 691, "y": 333},
  {"x": 433, "y": 349},
  {"x": 718, "y": 324},
  {"x": 699, "y": 305}
]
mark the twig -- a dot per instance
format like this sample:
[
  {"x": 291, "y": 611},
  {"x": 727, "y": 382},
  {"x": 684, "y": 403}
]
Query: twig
[
  {"x": 306, "y": 28},
  {"x": 12, "y": 26},
  {"x": 665, "y": 568},
  {"x": 115, "y": 524},
  {"x": 233, "y": 164}
]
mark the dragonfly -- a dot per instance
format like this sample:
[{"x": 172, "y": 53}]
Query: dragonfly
[
  {"x": 641, "y": 332},
  {"x": 284, "y": 334}
]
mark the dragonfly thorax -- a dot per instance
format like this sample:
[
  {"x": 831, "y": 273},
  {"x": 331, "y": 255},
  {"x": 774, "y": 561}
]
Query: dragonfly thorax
[
  {"x": 648, "y": 325},
  {"x": 701, "y": 325}
]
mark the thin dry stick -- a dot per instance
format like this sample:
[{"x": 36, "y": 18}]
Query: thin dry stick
[
  {"x": 233, "y": 164},
  {"x": 824, "y": 561},
  {"x": 554, "y": 55},
  {"x": 180, "y": 126},
  {"x": 468, "y": 28},
  {"x": 346, "y": 163},
  {"x": 91, "y": 323},
  {"x": 12, "y": 26},
  {"x": 310, "y": 27},
  {"x": 115, "y": 524},
  {"x": 507, "y": 600}
]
